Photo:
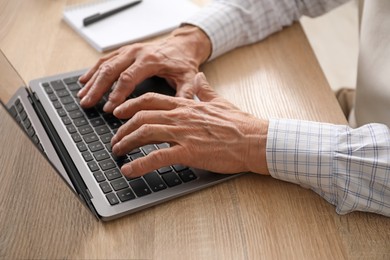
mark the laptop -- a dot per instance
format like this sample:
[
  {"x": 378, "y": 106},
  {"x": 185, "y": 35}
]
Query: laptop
[{"x": 76, "y": 142}]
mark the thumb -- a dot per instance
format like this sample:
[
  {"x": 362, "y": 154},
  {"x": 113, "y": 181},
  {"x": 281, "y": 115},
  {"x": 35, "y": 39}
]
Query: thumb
[
  {"x": 186, "y": 91},
  {"x": 204, "y": 91}
]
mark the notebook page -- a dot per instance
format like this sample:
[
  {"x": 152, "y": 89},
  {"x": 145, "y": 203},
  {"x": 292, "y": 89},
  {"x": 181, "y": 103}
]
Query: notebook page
[{"x": 142, "y": 21}]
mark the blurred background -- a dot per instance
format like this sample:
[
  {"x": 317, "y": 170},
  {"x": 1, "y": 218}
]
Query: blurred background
[{"x": 334, "y": 38}]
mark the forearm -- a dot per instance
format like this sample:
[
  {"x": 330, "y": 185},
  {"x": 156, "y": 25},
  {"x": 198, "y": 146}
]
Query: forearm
[
  {"x": 350, "y": 168},
  {"x": 234, "y": 23}
]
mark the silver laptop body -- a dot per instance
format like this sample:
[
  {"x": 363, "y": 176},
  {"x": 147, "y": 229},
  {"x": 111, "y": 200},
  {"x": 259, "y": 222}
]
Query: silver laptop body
[{"x": 76, "y": 142}]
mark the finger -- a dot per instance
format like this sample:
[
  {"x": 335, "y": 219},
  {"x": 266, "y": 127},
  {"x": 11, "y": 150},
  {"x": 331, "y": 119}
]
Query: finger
[
  {"x": 139, "y": 119},
  {"x": 88, "y": 75},
  {"x": 81, "y": 94},
  {"x": 127, "y": 81},
  {"x": 148, "y": 101},
  {"x": 146, "y": 134},
  {"x": 186, "y": 91},
  {"x": 204, "y": 91},
  {"x": 106, "y": 76},
  {"x": 155, "y": 160}
]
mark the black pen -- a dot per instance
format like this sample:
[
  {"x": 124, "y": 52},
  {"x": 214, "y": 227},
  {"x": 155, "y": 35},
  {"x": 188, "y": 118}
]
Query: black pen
[{"x": 99, "y": 16}]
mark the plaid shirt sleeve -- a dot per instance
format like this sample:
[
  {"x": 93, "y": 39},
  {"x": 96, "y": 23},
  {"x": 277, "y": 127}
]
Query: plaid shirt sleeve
[
  {"x": 233, "y": 23},
  {"x": 350, "y": 168}
]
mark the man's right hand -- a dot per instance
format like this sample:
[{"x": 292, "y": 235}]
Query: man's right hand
[{"x": 176, "y": 58}]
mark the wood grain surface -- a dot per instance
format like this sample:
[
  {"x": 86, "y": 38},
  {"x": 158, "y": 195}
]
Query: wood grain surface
[{"x": 250, "y": 217}]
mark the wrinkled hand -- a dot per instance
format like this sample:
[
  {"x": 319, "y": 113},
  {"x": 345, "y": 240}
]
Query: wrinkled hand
[
  {"x": 176, "y": 58},
  {"x": 211, "y": 134}
]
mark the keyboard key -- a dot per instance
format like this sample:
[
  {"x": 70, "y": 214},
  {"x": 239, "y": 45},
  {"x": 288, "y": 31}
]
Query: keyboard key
[
  {"x": 109, "y": 148},
  {"x": 27, "y": 123},
  {"x": 66, "y": 100},
  {"x": 13, "y": 111},
  {"x": 101, "y": 155},
  {"x": 31, "y": 132},
  {"x": 91, "y": 113},
  {"x": 163, "y": 145},
  {"x": 179, "y": 167},
  {"x": 71, "y": 107},
  {"x": 71, "y": 129},
  {"x": 35, "y": 139},
  {"x": 106, "y": 138},
  {"x": 105, "y": 186},
  {"x": 107, "y": 164},
  {"x": 164, "y": 169},
  {"x": 119, "y": 184},
  {"x": 87, "y": 156},
  {"x": 136, "y": 156},
  {"x": 61, "y": 112},
  {"x": 136, "y": 150},
  {"x": 125, "y": 195},
  {"x": 139, "y": 187},
  {"x": 80, "y": 121},
  {"x": 82, "y": 146},
  {"x": 52, "y": 97},
  {"x": 90, "y": 138},
  {"x": 71, "y": 80},
  {"x": 62, "y": 93},
  {"x": 57, "y": 104},
  {"x": 66, "y": 120},
  {"x": 112, "y": 199},
  {"x": 101, "y": 130},
  {"x": 23, "y": 115},
  {"x": 57, "y": 85},
  {"x": 113, "y": 174},
  {"x": 187, "y": 175},
  {"x": 149, "y": 148},
  {"x": 155, "y": 182},
  {"x": 96, "y": 146},
  {"x": 76, "y": 114},
  {"x": 112, "y": 121},
  {"x": 171, "y": 179},
  {"x": 47, "y": 88},
  {"x": 74, "y": 87},
  {"x": 97, "y": 122},
  {"x": 99, "y": 176},
  {"x": 76, "y": 137},
  {"x": 93, "y": 166},
  {"x": 85, "y": 129},
  {"x": 121, "y": 161}
]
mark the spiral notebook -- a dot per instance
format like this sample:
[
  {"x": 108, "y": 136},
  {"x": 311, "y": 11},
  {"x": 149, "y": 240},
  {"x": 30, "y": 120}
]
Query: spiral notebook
[{"x": 147, "y": 19}]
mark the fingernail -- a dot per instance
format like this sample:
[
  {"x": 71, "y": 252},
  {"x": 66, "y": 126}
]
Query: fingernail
[
  {"x": 108, "y": 107},
  {"x": 85, "y": 100},
  {"x": 114, "y": 140},
  {"x": 116, "y": 149},
  {"x": 127, "y": 170},
  {"x": 117, "y": 111},
  {"x": 80, "y": 93}
]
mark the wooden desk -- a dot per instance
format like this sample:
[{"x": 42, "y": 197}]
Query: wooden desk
[{"x": 250, "y": 217}]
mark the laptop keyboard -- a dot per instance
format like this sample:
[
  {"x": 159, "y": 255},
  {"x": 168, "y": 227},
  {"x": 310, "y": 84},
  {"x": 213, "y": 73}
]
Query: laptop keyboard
[
  {"x": 18, "y": 112},
  {"x": 92, "y": 130}
]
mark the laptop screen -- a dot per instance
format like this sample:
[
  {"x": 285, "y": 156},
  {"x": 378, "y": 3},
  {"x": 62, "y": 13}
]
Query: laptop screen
[{"x": 10, "y": 80}]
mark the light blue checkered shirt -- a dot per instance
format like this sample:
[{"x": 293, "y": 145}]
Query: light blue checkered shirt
[{"x": 350, "y": 168}]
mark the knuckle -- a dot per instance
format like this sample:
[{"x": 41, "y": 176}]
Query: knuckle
[
  {"x": 149, "y": 97},
  {"x": 139, "y": 117},
  {"x": 126, "y": 76},
  {"x": 144, "y": 131},
  {"x": 107, "y": 69},
  {"x": 151, "y": 57}
]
